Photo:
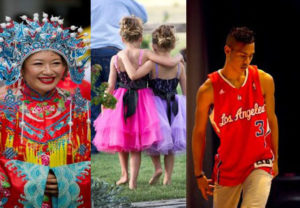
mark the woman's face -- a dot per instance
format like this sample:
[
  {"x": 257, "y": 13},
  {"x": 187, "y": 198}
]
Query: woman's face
[{"x": 43, "y": 70}]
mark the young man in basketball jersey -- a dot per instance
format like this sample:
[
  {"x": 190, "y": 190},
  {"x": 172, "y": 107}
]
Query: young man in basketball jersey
[{"x": 243, "y": 116}]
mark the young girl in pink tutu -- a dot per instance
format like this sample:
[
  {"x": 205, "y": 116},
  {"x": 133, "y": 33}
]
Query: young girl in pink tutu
[
  {"x": 171, "y": 107},
  {"x": 134, "y": 124}
]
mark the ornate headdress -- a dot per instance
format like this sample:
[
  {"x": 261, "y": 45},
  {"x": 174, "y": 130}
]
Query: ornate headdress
[{"x": 20, "y": 40}]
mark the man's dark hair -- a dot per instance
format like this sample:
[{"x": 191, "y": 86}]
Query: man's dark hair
[{"x": 240, "y": 34}]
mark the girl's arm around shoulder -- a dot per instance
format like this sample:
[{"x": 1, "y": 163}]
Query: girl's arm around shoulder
[
  {"x": 131, "y": 71},
  {"x": 168, "y": 62},
  {"x": 144, "y": 69}
]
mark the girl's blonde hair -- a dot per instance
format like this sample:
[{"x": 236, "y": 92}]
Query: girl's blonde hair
[
  {"x": 131, "y": 28},
  {"x": 164, "y": 37}
]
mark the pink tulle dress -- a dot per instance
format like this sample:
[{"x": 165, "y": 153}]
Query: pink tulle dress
[{"x": 134, "y": 124}]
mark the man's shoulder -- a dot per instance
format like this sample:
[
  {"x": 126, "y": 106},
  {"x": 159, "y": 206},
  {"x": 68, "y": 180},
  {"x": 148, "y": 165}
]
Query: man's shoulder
[
  {"x": 214, "y": 76},
  {"x": 205, "y": 94},
  {"x": 264, "y": 76},
  {"x": 266, "y": 81},
  {"x": 206, "y": 88},
  {"x": 207, "y": 84}
]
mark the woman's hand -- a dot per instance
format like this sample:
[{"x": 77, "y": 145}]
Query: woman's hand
[{"x": 51, "y": 185}]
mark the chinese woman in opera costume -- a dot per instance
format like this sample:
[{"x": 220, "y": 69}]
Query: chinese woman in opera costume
[{"x": 44, "y": 131}]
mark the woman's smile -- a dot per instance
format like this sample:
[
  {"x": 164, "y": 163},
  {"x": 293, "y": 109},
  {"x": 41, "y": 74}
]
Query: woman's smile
[
  {"x": 47, "y": 80},
  {"x": 43, "y": 70}
]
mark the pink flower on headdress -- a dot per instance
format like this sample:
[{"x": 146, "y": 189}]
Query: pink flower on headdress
[{"x": 45, "y": 159}]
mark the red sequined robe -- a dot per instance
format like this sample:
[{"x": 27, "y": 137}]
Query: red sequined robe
[{"x": 41, "y": 134}]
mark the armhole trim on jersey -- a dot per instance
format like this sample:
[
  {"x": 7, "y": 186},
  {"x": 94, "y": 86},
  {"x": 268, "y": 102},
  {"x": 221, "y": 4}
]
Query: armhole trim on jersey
[{"x": 257, "y": 80}]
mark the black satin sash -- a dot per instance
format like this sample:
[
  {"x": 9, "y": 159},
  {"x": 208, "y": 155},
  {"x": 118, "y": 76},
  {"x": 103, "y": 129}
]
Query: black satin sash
[
  {"x": 172, "y": 104},
  {"x": 130, "y": 98}
]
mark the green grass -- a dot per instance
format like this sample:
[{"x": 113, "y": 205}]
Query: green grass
[{"x": 107, "y": 168}]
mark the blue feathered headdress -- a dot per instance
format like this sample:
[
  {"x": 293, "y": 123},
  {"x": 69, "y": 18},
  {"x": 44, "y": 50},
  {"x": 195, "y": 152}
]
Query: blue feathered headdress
[{"x": 20, "y": 40}]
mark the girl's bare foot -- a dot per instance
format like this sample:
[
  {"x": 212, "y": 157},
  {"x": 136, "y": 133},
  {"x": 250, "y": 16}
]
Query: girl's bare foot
[
  {"x": 155, "y": 177},
  {"x": 167, "y": 181},
  {"x": 132, "y": 185},
  {"x": 122, "y": 180}
]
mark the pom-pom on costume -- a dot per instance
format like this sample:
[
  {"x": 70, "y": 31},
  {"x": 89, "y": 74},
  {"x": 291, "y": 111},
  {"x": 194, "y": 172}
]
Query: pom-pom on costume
[{"x": 42, "y": 134}]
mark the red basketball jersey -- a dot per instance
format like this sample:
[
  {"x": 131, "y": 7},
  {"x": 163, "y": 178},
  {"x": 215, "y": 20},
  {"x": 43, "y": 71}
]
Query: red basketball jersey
[{"x": 242, "y": 126}]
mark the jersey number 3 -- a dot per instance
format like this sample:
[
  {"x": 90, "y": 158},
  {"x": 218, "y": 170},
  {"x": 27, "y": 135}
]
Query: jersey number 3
[{"x": 260, "y": 125}]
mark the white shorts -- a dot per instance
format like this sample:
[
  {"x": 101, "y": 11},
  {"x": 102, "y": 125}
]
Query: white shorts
[{"x": 256, "y": 190}]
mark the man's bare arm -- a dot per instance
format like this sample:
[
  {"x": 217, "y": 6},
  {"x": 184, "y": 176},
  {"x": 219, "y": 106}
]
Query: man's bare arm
[
  {"x": 268, "y": 90},
  {"x": 204, "y": 101}
]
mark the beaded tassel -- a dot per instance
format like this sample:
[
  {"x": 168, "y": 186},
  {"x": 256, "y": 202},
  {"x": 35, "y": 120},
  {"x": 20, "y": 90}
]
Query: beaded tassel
[
  {"x": 88, "y": 121},
  {"x": 70, "y": 123},
  {"x": 22, "y": 124}
]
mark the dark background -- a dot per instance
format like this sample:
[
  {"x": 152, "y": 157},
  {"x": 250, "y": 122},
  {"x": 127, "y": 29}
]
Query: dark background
[
  {"x": 277, "y": 51},
  {"x": 74, "y": 12}
]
